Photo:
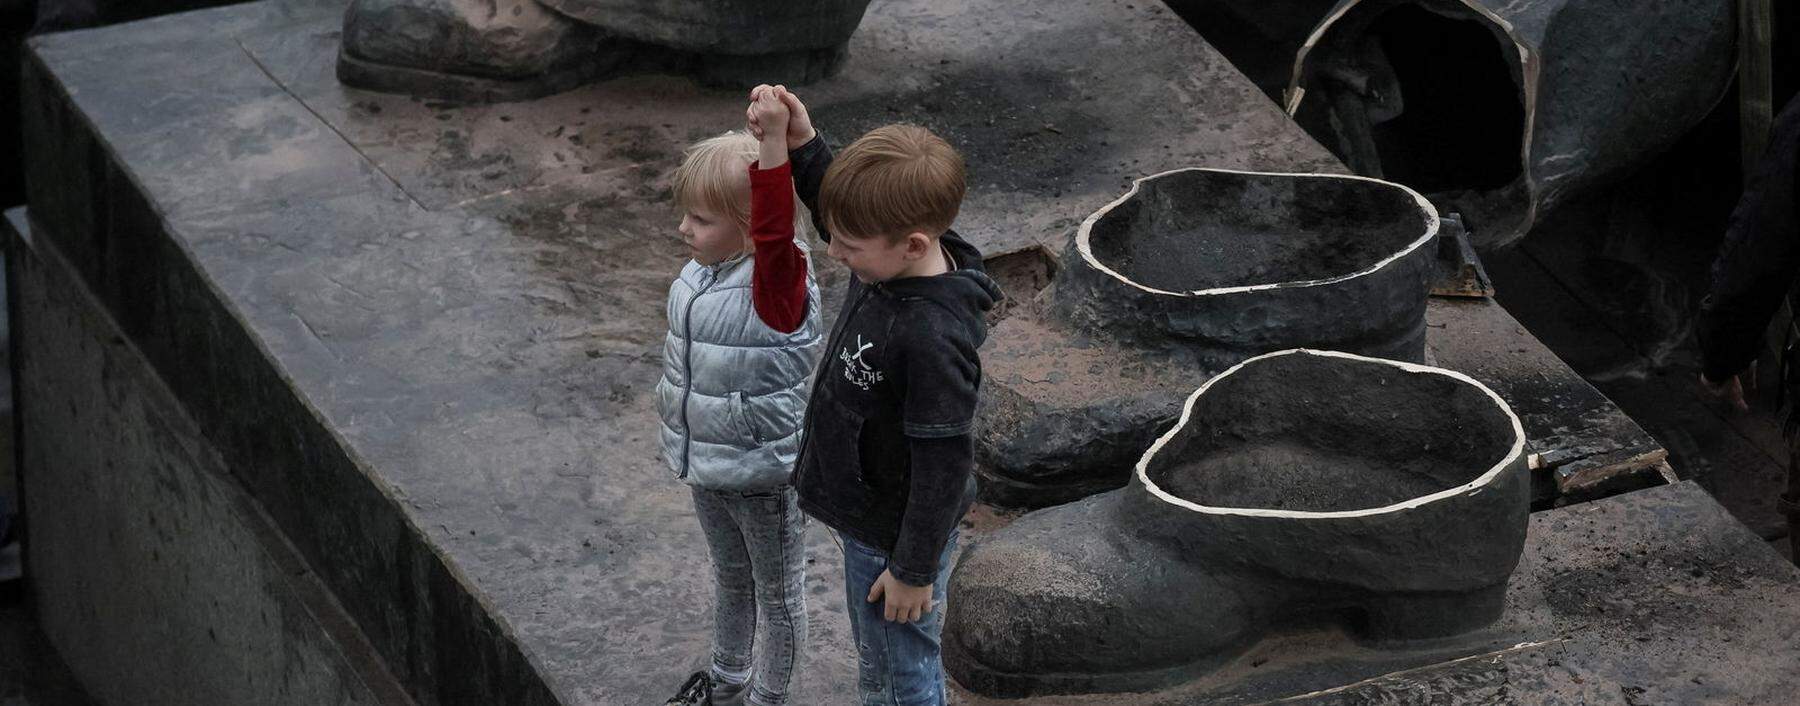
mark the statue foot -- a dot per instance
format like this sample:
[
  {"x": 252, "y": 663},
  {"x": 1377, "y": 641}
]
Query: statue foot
[
  {"x": 507, "y": 50},
  {"x": 470, "y": 50}
]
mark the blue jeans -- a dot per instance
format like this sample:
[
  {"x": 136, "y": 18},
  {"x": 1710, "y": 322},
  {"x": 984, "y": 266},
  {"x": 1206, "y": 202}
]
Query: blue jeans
[
  {"x": 897, "y": 663},
  {"x": 758, "y": 547}
]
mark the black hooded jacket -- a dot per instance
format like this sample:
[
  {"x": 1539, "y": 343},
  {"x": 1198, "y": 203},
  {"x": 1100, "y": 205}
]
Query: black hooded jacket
[
  {"x": 887, "y": 450},
  {"x": 1759, "y": 258}
]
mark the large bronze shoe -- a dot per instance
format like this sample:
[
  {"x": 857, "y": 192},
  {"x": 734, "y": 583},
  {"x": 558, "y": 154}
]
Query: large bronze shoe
[
  {"x": 1187, "y": 274},
  {"x": 1299, "y": 488},
  {"x": 1507, "y": 109},
  {"x": 496, "y": 50},
  {"x": 476, "y": 50}
]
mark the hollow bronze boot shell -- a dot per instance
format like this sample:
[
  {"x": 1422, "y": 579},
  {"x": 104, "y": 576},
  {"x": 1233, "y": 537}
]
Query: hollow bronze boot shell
[
  {"x": 1299, "y": 488},
  {"x": 1185, "y": 275},
  {"x": 508, "y": 50}
]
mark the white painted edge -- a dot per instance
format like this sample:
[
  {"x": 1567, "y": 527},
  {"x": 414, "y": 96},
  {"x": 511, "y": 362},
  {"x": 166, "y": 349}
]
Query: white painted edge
[
  {"x": 1187, "y": 411},
  {"x": 1296, "y": 93},
  {"x": 1528, "y": 70},
  {"x": 1083, "y": 245}
]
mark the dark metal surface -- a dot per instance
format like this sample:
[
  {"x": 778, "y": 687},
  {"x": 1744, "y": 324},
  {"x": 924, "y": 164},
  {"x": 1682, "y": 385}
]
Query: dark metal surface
[
  {"x": 1299, "y": 488},
  {"x": 1190, "y": 273},
  {"x": 1508, "y": 108}
]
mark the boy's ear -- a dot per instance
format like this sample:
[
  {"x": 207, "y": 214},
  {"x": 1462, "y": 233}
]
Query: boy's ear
[{"x": 918, "y": 245}]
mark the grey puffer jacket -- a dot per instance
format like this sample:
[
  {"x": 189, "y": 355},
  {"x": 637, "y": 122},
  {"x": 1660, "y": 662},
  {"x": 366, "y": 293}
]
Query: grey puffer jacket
[{"x": 733, "y": 390}]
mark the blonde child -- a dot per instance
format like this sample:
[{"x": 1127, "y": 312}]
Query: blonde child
[{"x": 743, "y": 340}]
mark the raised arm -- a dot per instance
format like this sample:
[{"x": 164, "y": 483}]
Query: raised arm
[
  {"x": 778, "y": 284},
  {"x": 1757, "y": 261},
  {"x": 806, "y": 150}
]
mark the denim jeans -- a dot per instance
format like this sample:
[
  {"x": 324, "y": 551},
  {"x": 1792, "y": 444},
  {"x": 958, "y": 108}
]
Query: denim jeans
[
  {"x": 758, "y": 548},
  {"x": 898, "y": 664}
]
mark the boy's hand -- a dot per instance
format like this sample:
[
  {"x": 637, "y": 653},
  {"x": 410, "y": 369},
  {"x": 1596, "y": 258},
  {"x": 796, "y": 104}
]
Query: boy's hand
[
  {"x": 905, "y": 604},
  {"x": 1731, "y": 390},
  {"x": 799, "y": 128}
]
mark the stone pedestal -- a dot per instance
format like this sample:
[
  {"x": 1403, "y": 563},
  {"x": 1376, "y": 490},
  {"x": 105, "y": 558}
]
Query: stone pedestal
[
  {"x": 420, "y": 335},
  {"x": 157, "y": 577}
]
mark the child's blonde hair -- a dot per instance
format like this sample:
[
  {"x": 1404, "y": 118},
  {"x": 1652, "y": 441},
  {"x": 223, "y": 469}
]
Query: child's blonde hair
[
  {"x": 895, "y": 180},
  {"x": 715, "y": 176}
]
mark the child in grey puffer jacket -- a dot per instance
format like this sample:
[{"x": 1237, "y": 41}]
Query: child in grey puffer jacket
[{"x": 743, "y": 340}]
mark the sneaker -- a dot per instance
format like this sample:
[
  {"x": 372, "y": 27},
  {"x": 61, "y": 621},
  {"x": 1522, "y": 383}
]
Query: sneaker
[
  {"x": 725, "y": 693},
  {"x": 696, "y": 692}
]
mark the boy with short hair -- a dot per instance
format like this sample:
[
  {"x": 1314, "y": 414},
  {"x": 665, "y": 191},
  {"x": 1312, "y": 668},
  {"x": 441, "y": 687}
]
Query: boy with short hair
[{"x": 888, "y": 446}]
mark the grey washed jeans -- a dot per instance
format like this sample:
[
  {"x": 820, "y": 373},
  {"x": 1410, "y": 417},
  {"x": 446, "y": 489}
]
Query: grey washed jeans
[{"x": 758, "y": 548}]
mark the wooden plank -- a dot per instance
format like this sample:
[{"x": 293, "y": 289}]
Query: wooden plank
[
  {"x": 1587, "y": 446},
  {"x": 1460, "y": 273}
]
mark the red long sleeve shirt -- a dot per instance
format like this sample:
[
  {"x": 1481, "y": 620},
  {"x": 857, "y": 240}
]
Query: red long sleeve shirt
[{"x": 778, "y": 285}]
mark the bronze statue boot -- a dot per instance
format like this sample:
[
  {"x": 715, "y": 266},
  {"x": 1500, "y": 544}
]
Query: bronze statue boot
[
  {"x": 1299, "y": 488},
  {"x": 475, "y": 50},
  {"x": 503, "y": 50},
  {"x": 1188, "y": 273}
]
